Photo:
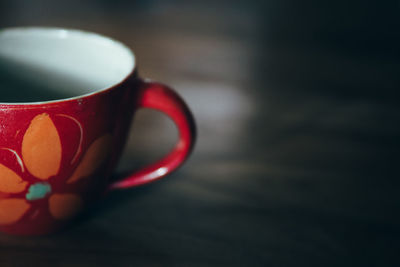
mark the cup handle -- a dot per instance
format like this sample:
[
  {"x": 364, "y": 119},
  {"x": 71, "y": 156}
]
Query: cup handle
[{"x": 162, "y": 98}]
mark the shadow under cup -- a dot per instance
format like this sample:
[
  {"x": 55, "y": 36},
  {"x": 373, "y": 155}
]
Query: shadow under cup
[{"x": 66, "y": 102}]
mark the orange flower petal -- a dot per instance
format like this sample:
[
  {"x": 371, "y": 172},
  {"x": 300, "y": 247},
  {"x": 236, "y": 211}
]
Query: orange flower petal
[
  {"x": 93, "y": 158},
  {"x": 12, "y": 209},
  {"x": 41, "y": 147},
  {"x": 64, "y": 206},
  {"x": 10, "y": 182}
]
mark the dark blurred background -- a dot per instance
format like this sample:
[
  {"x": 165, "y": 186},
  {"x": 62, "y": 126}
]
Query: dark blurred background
[{"x": 297, "y": 158}]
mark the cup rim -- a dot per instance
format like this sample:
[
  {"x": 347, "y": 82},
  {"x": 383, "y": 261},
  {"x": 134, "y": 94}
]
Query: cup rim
[{"x": 64, "y": 31}]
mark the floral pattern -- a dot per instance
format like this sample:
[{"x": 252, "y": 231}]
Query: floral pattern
[{"x": 41, "y": 152}]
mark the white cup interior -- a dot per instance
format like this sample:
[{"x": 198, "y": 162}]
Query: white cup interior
[{"x": 44, "y": 64}]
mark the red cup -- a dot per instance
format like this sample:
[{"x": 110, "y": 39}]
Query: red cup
[{"x": 59, "y": 148}]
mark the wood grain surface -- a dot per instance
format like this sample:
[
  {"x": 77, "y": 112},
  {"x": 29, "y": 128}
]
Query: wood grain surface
[{"x": 296, "y": 162}]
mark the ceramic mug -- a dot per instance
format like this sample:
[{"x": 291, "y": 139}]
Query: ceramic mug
[{"x": 66, "y": 103}]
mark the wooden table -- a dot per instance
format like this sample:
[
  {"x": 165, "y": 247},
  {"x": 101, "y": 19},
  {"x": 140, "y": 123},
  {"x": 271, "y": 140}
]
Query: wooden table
[{"x": 296, "y": 162}]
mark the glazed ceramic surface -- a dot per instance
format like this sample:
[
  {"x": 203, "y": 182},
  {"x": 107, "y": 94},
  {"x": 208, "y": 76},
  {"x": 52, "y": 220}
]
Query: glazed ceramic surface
[{"x": 56, "y": 156}]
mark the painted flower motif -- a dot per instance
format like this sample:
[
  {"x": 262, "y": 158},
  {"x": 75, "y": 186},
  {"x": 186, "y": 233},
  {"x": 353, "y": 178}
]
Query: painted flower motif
[{"x": 41, "y": 152}]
